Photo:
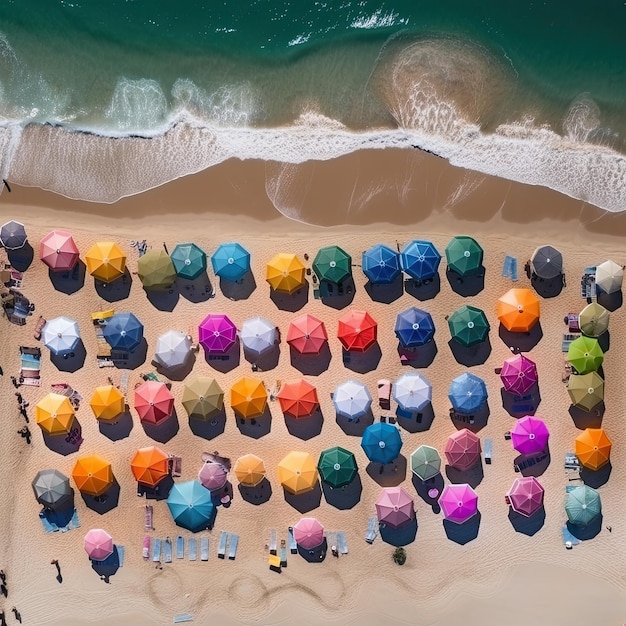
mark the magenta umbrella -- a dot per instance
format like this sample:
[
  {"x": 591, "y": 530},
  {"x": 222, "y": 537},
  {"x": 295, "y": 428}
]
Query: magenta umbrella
[
  {"x": 462, "y": 450},
  {"x": 458, "y": 503},
  {"x": 526, "y": 495},
  {"x": 518, "y": 374},
  {"x": 308, "y": 533},
  {"x": 217, "y": 333},
  {"x": 530, "y": 435},
  {"x": 98, "y": 544},
  {"x": 212, "y": 476},
  {"x": 394, "y": 507}
]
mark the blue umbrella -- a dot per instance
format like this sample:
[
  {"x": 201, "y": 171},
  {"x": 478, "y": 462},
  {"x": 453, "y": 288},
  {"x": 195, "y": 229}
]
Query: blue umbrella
[
  {"x": 381, "y": 264},
  {"x": 190, "y": 505},
  {"x": 467, "y": 393},
  {"x": 123, "y": 331},
  {"x": 381, "y": 442},
  {"x": 420, "y": 259},
  {"x": 231, "y": 261},
  {"x": 414, "y": 327}
]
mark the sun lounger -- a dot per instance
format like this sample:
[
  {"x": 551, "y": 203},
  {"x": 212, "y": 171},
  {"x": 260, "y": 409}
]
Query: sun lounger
[
  {"x": 176, "y": 465},
  {"x": 148, "y": 517},
  {"x": 567, "y": 340},
  {"x": 273, "y": 541},
  {"x": 156, "y": 550},
  {"x": 283, "y": 556},
  {"x": 342, "y": 546},
  {"x": 221, "y": 550},
  {"x": 571, "y": 461},
  {"x": 145, "y": 550},
  {"x": 233, "y": 541},
  {"x": 372, "y": 530},
  {"x": 180, "y": 547},
  {"x": 182, "y": 617},
  {"x": 193, "y": 549},
  {"x": 293, "y": 546},
  {"x": 569, "y": 538},
  {"x": 274, "y": 563},
  {"x": 167, "y": 549},
  {"x": 120, "y": 555},
  {"x": 204, "y": 548},
  {"x": 487, "y": 450}
]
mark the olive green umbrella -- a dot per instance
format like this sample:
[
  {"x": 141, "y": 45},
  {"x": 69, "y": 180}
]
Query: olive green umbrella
[
  {"x": 425, "y": 463},
  {"x": 582, "y": 505},
  {"x": 464, "y": 255},
  {"x": 156, "y": 270},
  {"x": 468, "y": 325},
  {"x": 586, "y": 391},
  {"x": 332, "y": 264},
  {"x": 337, "y": 466},
  {"x": 202, "y": 397},
  {"x": 593, "y": 320},
  {"x": 585, "y": 355}
]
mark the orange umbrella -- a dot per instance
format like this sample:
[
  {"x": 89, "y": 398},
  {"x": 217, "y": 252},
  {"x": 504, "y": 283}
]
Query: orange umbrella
[
  {"x": 106, "y": 261},
  {"x": 285, "y": 272},
  {"x": 248, "y": 397},
  {"x": 298, "y": 399},
  {"x": 92, "y": 475},
  {"x": 593, "y": 448},
  {"x": 107, "y": 403},
  {"x": 55, "y": 414},
  {"x": 297, "y": 472},
  {"x": 250, "y": 470},
  {"x": 150, "y": 466},
  {"x": 518, "y": 310}
]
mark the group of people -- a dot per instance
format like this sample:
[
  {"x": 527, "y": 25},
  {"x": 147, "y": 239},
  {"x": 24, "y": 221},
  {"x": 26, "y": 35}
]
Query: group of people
[
  {"x": 24, "y": 432},
  {"x": 5, "y": 593}
]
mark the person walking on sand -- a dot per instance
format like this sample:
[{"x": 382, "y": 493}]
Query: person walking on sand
[
  {"x": 3, "y": 621},
  {"x": 18, "y": 615},
  {"x": 55, "y": 562},
  {"x": 3, "y": 577},
  {"x": 4, "y": 590}
]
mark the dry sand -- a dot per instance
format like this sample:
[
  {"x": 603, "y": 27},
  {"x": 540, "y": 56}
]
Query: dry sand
[{"x": 502, "y": 576}]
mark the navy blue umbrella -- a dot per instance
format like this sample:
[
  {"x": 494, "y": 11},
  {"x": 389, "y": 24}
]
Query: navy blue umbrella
[
  {"x": 420, "y": 259},
  {"x": 414, "y": 327},
  {"x": 381, "y": 264},
  {"x": 381, "y": 442},
  {"x": 467, "y": 393},
  {"x": 123, "y": 331}
]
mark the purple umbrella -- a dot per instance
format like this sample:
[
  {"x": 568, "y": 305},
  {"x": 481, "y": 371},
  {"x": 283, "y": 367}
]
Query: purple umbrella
[
  {"x": 518, "y": 374},
  {"x": 530, "y": 435},
  {"x": 458, "y": 503},
  {"x": 217, "y": 333},
  {"x": 213, "y": 476}
]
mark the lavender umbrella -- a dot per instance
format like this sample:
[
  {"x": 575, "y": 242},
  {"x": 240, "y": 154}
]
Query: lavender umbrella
[
  {"x": 518, "y": 374},
  {"x": 530, "y": 435},
  {"x": 459, "y": 503},
  {"x": 394, "y": 507},
  {"x": 212, "y": 476},
  {"x": 217, "y": 333},
  {"x": 526, "y": 495}
]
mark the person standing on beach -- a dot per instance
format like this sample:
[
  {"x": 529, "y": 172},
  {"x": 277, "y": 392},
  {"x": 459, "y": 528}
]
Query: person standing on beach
[
  {"x": 18, "y": 615},
  {"x": 3, "y": 621}
]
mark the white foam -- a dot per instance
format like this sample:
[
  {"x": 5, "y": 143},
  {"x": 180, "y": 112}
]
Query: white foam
[{"x": 379, "y": 19}]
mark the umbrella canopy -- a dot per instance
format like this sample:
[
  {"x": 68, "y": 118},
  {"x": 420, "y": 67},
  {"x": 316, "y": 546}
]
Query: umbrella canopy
[
  {"x": 467, "y": 393},
  {"x": 593, "y": 448},
  {"x": 258, "y": 335},
  {"x": 352, "y": 399},
  {"x": 518, "y": 374},
  {"x": 123, "y": 331},
  {"x": 150, "y": 466},
  {"x": 530, "y": 435},
  {"x": 212, "y": 476},
  {"x": 518, "y": 310},
  {"x": 593, "y": 320},
  {"x": 609, "y": 277},
  {"x": 217, "y": 333},
  {"x": 285, "y": 273},
  {"x": 173, "y": 349},
  {"x": 297, "y": 472},
  {"x": 357, "y": 330},
  {"x": 468, "y": 325},
  {"x": 332, "y": 264},
  {"x": 52, "y": 489},
  {"x": 381, "y": 442},
  {"x": 526, "y": 495},
  {"x": 107, "y": 403},
  {"x": 463, "y": 450},
  {"x": 92, "y": 475},
  {"x": 189, "y": 260},
  {"x": 202, "y": 397},
  {"x": 98, "y": 544},
  {"x": 250, "y": 470},
  {"x": 191, "y": 505},
  {"x": 54, "y": 413},
  {"x": 458, "y": 503},
  {"x": 464, "y": 255},
  {"x": 412, "y": 391},
  {"x": 307, "y": 334},
  {"x": 547, "y": 262},
  {"x": 414, "y": 327},
  {"x": 60, "y": 335},
  {"x": 394, "y": 507},
  {"x": 154, "y": 402},
  {"x": 381, "y": 264},
  {"x": 58, "y": 251},
  {"x": 585, "y": 355},
  {"x": 248, "y": 397},
  {"x": 337, "y": 466},
  {"x": 231, "y": 261},
  {"x": 156, "y": 270},
  {"x": 106, "y": 261},
  {"x": 298, "y": 398},
  {"x": 586, "y": 391},
  {"x": 582, "y": 505},
  {"x": 420, "y": 259},
  {"x": 425, "y": 462},
  {"x": 13, "y": 235},
  {"x": 308, "y": 533}
]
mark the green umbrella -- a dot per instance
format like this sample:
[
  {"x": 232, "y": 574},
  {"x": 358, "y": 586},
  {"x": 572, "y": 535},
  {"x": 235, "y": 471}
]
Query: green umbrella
[
  {"x": 594, "y": 320},
  {"x": 189, "y": 260},
  {"x": 582, "y": 505},
  {"x": 586, "y": 391},
  {"x": 156, "y": 270},
  {"x": 202, "y": 397},
  {"x": 585, "y": 355},
  {"x": 332, "y": 264},
  {"x": 468, "y": 325},
  {"x": 337, "y": 466},
  {"x": 464, "y": 255},
  {"x": 425, "y": 462}
]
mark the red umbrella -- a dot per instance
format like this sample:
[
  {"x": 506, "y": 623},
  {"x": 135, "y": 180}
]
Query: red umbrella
[
  {"x": 307, "y": 334},
  {"x": 153, "y": 402},
  {"x": 357, "y": 330},
  {"x": 463, "y": 449},
  {"x": 58, "y": 251},
  {"x": 298, "y": 399}
]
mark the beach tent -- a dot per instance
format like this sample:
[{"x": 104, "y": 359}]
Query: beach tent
[
  {"x": 352, "y": 399},
  {"x": 156, "y": 270},
  {"x": 357, "y": 330},
  {"x": 150, "y": 466},
  {"x": 381, "y": 442},
  {"x": 463, "y": 450},
  {"x": 458, "y": 503},
  {"x": 547, "y": 262},
  {"x": 593, "y": 448},
  {"x": 593, "y": 320},
  {"x": 249, "y": 470},
  {"x": 285, "y": 273},
  {"x": 92, "y": 475},
  {"x": 107, "y": 403},
  {"x": 58, "y": 251},
  {"x": 106, "y": 261},
  {"x": 98, "y": 544},
  {"x": 191, "y": 506},
  {"x": 609, "y": 277},
  {"x": 526, "y": 495},
  {"x": 173, "y": 349},
  {"x": 332, "y": 264},
  {"x": 212, "y": 476},
  {"x": 468, "y": 325},
  {"x": 425, "y": 462},
  {"x": 585, "y": 355},
  {"x": 189, "y": 260},
  {"x": 307, "y": 334},
  {"x": 298, "y": 398},
  {"x": 518, "y": 374},
  {"x": 60, "y": 335},
  {"x": 154, "y": 402},
  {"x": 464, "y": 255},
  {"x": 586, "y": 391},
  {"x": 381, "y": 264},
  {"x": 54, "y": 414},
  {"x": 217, "y": 333},
  {"x": 297, "y": 472},
  {"x": 467, "y": 393},
  {"x": 202, "y": 397},
  {"x": 258, "y": 335},
  {"x": 123, "y": 331},
  {"x": 582, "y": 505},
  {"x": 248, "y": 397},
  {"x": 394, "y": 507},
  {"x": 337, "y": 466},
  {"x": 420, "y": 259},
  {"x": 52, "y": 489},
  {"x": 308, "y": 533},
  {"x": 530, "y": 435},
  {"x": 414, "y": 327},
  {"x": 412, "y": 391},
  {"x": 13, "y": 235},
  {"x": 231, "y": 261},
  {"x": 518, "y": 310}
]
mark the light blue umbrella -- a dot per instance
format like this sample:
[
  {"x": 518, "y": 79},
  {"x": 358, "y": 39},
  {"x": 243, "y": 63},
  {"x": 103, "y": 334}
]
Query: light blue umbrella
[
  {"x": 231, "y": 261},
  {"x": 381, "y": 442},
  {"x": 467, "y": 393},
  {"x": 414, "y": 327},
  {"x": 420, "y": 259},
  {"x": 123, "y": 331},
  {"x": 381, "y": 264},
  {"x": 190, "y": 505},
  {"x": 189, "y": 260},
  {"x": 352, "y": 399},
  {"x": 61, "y": 335},
  {"x": 412, "y": 391}
]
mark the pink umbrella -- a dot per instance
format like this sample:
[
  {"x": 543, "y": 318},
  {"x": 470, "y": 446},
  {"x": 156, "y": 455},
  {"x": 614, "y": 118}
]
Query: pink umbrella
[
  {"x": 530, "y": 435},
  {"x": 463, "y": 450},
  {"x": 98, "y": 544},
  {"x": 307, "y": 334},
  {"x": 458, "y": 503},
  {"x": 526, "y": 495},
  {"x": 212, "y": 476},
  {"x": 308, "y": 533},
  {"x": 58, "y": 251},
  {"x": 394, "y": 507},
  {"x": 217, "y": 333},
  {"x": 153, "y": 402},
  {"x": 518, "y": 374}
]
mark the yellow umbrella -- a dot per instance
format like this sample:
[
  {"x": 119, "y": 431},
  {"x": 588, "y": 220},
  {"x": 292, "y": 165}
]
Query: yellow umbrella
[
  {"x": 106, "y": 261},
  {"x": 107, "y": 403},
  {"x": 297, "y": 472},
  {"x": 285, "y": 272},
  {"x": 55, "y": 414},
  {"x": 248, "y": 397},
  {"x": 92, "y": 474},
  {"x": 250, "y": 470}
]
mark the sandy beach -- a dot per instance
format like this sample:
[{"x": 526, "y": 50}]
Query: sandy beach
[{"x": 501, "y": 576}]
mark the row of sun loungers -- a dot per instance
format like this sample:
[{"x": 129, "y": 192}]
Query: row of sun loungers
[{"x": 162, "y": 548}]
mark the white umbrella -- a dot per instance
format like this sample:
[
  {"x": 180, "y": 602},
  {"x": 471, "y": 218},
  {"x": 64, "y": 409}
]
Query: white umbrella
[
  {"x": 173, "y": 349},
  {"x": 60, "y": 335},
  {"x": 258, "y": 335},
  {"x": 609, "y": 276},
  {"x": 352, "y": 399},
  {"x": 412, "y": 391}
]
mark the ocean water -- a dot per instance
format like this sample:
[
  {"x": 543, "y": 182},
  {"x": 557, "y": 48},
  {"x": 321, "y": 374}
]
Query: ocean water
[{"x": 103, "y": 99}]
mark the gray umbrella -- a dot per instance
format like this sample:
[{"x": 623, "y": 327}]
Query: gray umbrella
[
  {"x": 547, "y": 262},
  {"x": 173, "y": 349},
  {"x": 13, "y": 235},
  {"x": 52, "y": 489}
]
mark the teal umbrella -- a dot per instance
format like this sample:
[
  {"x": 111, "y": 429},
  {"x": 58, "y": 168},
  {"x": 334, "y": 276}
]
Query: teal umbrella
[
  {"x": 468, "y": 325},
  {"x": 337, "y": 466},
  {"x": 189, "y": 260},
  {"x": 464, "y": 255},
  {"x": 191, "y": 505},
  {"x": 582, "y": 505},
  {"x": 332, "y": 264}
]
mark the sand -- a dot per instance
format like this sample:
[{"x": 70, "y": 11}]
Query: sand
[{"x": 442, "y": 582}]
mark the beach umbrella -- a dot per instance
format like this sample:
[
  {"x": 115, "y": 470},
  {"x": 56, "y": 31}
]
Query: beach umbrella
[
  {"x": 609, "y": 277},
  {"x": 98, "y": 544},
  {"x": 202, "y": 397},
  {"x": 463, "y": 450},
  {"x": 298, "y": 398},
  {"x": 52, "y": 489},
  {"x": 231, "y": 261},
  {"x": 586, "y": 391},
  {"x": 357, "y": 330},
  {"x": 585, "y": 355},
  {"x": 58, "y": 251},
  {"x": 107, "y": 403},
  {"x": 352, "y": 399},
  {"x": 154, "y": 402},
  {"x": 381, "y": 442},
  {"x": 54, "y": 414},
  {"x": 250, "y": 470},
  {"x": 467, "y": 393},
  {"x": 582, "y": 505},
  {"x": 459, "y": 503},
  {"x": 297, "y": 472},
  {"x": 308, "y": 533},
  {"x": 468, "y": 325},
  {"x": 285, "y": 273},
  {"x": 189, "y": 260},
  {"x": 412, "y": 391},
  {"x": 337, "y": 466},
  {"x": 518, "y": 310},
  {"x": 60, "y": 335},
  {"x": 217, "y": 333},
  {"x": 258, "y": 335},
  {"x": 414, "y": 327},
  {"x": 530, "y": 435},
  {"x": 156, "y": 270},
  {"x": 332, "y": 264},
  {"x": 106, "y": 261},
  {"x": 593, "y": 448},
  {"x": 248, "y": 397},
  {"x": 425, "y": 462},
  {"x": 464, "y": 255},
  {"x": 150, "y": 466},
  {"x": 92, "y": 475},
  {"x": 547, "y": 262},
  {"x": 13, "y": 235},
  {"x": 307, "y": 334},
  {"x": 526, "y": 495},
  {"x": 212, "y": 476},
  {"x": 394, "y": 507},
  {"x": 420, "y": 259},
  {"x": 381, "y": 264},
  {"x": 593, "y": 320},
  {"x": 191, "y": 505},
  {"x": 123, "y": 331},
  {"x": 173, "y": 349},
  {"x": 518, "y": 374}
]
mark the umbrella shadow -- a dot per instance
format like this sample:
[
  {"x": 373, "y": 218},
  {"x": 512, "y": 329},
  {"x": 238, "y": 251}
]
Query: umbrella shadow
[
  {"x": 226, "y": 362},
  {"x": 240, "y": 289},
  {"x": 163, "y": 299},
  {"x": 106, "y": 502},
  {"x": 385, "y": 293},
  {"x": 470, "y": 355},
  {"x": 209, "y": 428},
  {"x": 418, "y": 357},
  {"x": 256, "y": 427},
  {"x": 388, "y": 474},
  {"x": 163, "y": 431},
  {"x": 528, "y": 526},
  {"x": 534, "y": 464},
  {"x": 548, "y": 287},
  {"x": 362, "y": 362},
  {"x": 466, "y": 286},
  {"x": 159, "y": 492},
  {"x": 197, "y": 290},
  {"x": 521, "y": 342},
  {"x": 305, "y": 428},
  {"x": 22, "y": 258},
  {"x": 260, "y": 494},
  {"x": 71, "y": 362},
  {"x": 315, "y": 555},
  {"x": 598, "y": 477},
  {"x": 416, "y": 422},
  {"x": 475, "y": 421},
  {"x": 355, "y": 428},
  {"x": 422, "y": 487},
  {"x": 67, "y": 444},
  {"x": 472, "y": 476},
  {"x": 176, "y": 373},
  {"x": 263, "y": 362},
  {"x": 131, "y": 360},
  {"x": 423, "y": 289},
  {"x": 589, "y": 531},
  {"x": 60, "y": 517},
  {"x": 519, "y": 406},
  {"x": 120, "y": 429},
  {"x": 291, "y": 301},
  {"x": 345, "y": 497},
  {"x": 610, "y": 301},
  {"x": 604, "y": 341},
  {"x": 587, "y": 419},
  {"x": 337, "y": 296},
  {"x": 401, "y": 536},
  {"x": 305, "y": 502},
  {"x": 463, "y": 533},
  {"x": 117, "y": 290},
  {"x": 108, "y": 567},
  {"x": 71, "y": 281},
  {"x": 311, "y": 364}
]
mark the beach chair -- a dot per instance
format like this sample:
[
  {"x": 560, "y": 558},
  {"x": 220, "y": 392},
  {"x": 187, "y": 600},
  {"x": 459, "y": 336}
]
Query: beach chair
[
  {"x": 372, "y": 529},
  {"x": 233, "y": 541},
  {"x": 204, "y": 548},
  {"x": 176, "y": 465},
  {"x": 342, "y": 546},
  {"x": 221, "y": 550},
  {"x": 384, "y": 394},
  {"x": 273, "y": 541},
  {"x": 148, "y": 517},
  {"x": 274, "y": 562},
  {"x": 167, "y": 549},
  {"x": 567, "y": 340},
  {"x": 572, "y": 462},
  {"x": 283, "y": 554},
  {"x": 193, "y": 549},
  {"x": 156, "y": 550},
  {"x": 487, "y": 450},
  {"x": 293, "y": 546}
]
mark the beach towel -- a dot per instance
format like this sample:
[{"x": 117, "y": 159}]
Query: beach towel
[
  {"x": 167, "y": 548},
  {"x": 221, "y": 551},
  {"x": 233, "y": 540},
  {"x": 180, "y": 547},
  {"x": 342, "y": 546},
  {"x": 204, "y": 549},
  {"x": 148, "y": 517},
  {"x": 145, "y": 550},
  {"x": 182, "y": 617},
  {"x": 283, "y": 556},
  {"x": 156, "y": 550},
  {"x": 567, "y": 536},
  {"x": 273, "y": 541},
  {"x": 54, "y": 521},
  {"x": 372, "y": 529},
  {"x": 120, "y": 555},
  {"x": 193, "y": 548}
]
